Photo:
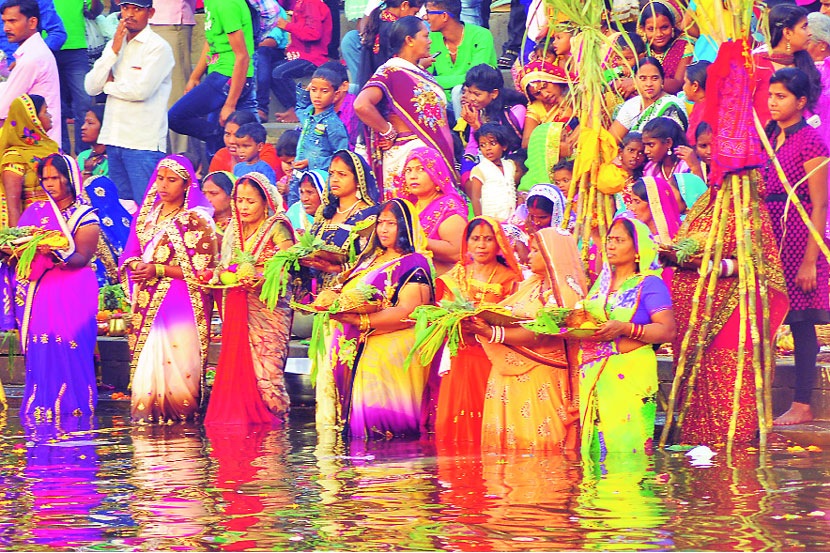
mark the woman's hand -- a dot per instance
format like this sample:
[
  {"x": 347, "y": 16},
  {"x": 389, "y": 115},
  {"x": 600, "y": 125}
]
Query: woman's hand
[
  {"x": 474, "y": 326},
  {"x": 688, "y": 155},
  {"x": 250, "y": 284},
  {"x": 806, "y": 276},
  {"x": 144, "y": 271},
  {"x": 385, "y": 143},
  {"x": 611, "y": 330},
  {"x": 352, "y": 319},
  {"x": 321, "y": 265},
  {"x": 300, "y": 164},
  {"x": 471, "y": 116}
]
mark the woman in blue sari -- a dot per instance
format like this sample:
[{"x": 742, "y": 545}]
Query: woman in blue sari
[
  {"x": 115, "y": 227},
  {"x": 59, "y": 342}
]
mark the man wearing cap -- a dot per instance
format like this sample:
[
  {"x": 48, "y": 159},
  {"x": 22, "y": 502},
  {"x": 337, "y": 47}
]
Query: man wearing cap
[{"x": 135, "y": 72}]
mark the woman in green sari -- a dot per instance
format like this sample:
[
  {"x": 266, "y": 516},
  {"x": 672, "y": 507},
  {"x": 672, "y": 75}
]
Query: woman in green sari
[{"x": 618, "y": 366}]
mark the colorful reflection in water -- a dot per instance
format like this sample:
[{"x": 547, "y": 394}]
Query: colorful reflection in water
[{"x": 102, "y": 484}]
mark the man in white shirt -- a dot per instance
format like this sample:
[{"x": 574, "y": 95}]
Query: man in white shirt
[
  {"x": 35, "y": 70},
  {"x": 135, "y": 73}
]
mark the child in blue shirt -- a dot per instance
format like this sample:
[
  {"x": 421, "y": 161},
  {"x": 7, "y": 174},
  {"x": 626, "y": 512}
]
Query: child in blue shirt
[
  {"x": 323, "y": 133},
  {"x": 250, "y": 138}
]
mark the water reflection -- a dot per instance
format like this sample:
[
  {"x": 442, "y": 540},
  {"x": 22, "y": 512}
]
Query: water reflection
[
  {"x": 61, "y": 496},
  {"x": 103, "y": 484}
]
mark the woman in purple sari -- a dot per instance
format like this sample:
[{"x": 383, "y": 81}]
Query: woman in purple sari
[
  {"x": 172, "y": 239},
  {"x": 57, "y": 303},
  {"x": 430, "y": 185},
  {"x": 380, "y": 397},
  {"x": 404, "y": 107}
]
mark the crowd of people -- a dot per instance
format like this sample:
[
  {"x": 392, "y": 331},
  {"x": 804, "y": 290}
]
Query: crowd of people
[{"x": 416, "y": 175}]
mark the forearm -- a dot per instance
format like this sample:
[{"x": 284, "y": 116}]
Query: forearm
[
  {"x": 390, "y": 320},
  {"x": 651, "y": 333},
  {"x": 443, "y": 250},
  {"x": 201, "y": 65},
  {"x": 819, "y": 220},
  {"x": 371, "y": 117}
]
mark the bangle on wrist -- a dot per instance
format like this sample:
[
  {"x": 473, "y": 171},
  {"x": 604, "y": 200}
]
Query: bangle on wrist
[
  {"x": 390, "y": 132},
  {"x": 160, "y": 271},
  {"x": 364, "y": 323}
]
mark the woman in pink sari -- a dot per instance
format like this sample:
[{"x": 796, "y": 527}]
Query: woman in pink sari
[
  {"x": 430, "y": 185},
  {"x": 653, "y": 202},
  {"x": 58, "y": 301},
  {"x": 171, "y": 240},
  {"x": 404, "y": 107}
]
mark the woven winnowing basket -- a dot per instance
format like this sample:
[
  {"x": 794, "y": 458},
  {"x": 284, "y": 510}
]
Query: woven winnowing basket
[{"x": 823, "y": 334}]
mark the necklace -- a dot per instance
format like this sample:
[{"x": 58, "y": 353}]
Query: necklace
[
  {"x": 250, "y": 234},
  {"x": 349, "y": 210},
  {"x": 479, "y": 293},
  {"x": 163, "y": 217},
  {"x": 663, "y": 170}
]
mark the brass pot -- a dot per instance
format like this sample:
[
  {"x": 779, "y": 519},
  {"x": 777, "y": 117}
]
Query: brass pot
[{"x": 118, "y": 326}]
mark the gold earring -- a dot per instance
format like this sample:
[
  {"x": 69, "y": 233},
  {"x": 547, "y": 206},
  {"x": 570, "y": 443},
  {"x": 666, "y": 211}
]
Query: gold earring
[
  {"x": 789, "y": 48},
  {"x": 636, "y": 258}
]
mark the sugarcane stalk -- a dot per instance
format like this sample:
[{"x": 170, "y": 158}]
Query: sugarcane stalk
[
  {"x": 742, "y": 310},
  {"x": 752, "y": 291},
  {"x": 719, "y": 232},
  {"x": 693, "y": 320}
]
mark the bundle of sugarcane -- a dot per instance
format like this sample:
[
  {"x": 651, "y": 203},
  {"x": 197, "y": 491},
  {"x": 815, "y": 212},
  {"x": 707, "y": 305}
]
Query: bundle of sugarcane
[
  {"x": 278, "y": 269},
  {"x": 595, "y": 145}
]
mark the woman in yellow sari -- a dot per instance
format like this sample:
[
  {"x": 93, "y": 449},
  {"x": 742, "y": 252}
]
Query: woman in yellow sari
[
  {"x": 530, "y": 402},
  {"x": 23, "y": 143}
]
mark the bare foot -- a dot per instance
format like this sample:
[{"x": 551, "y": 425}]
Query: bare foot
[
  {"x": 798, "y": 413},
  {"x": 287, "y": 116},
  {"x": 263, "y": 116}
]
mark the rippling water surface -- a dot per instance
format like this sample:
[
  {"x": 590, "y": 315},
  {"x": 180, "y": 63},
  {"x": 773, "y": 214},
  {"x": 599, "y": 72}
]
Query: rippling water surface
[{"x": 106, "y": 485}]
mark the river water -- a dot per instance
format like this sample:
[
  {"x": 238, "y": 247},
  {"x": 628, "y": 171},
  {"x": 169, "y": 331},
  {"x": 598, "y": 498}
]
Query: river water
[{"x": 103, "y": 484}]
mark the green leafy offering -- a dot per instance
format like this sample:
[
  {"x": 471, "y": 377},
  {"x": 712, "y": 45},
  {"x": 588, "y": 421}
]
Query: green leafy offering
[
  {"x": 548, "y": 320},
  {"x": 111, "y": 297},
  {"x": 277, "y": 271},
  {"x": 9, "y": 234},
  {"x": 686, "y": 249}
]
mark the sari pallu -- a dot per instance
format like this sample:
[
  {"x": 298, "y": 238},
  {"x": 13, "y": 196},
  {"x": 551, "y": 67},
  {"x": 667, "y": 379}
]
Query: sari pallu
[
  {"x": 115, "y": 227},
  {"x": 378, "y": 395},
  {"x": 23, "y": 143},
  {"x": 618, "y": 391},
  {"x": 414, "y": 96},
  {"x": 250, "y": 383},
  {"x": 56, "y": 308},
  {"x": 710, "y": 410},
  {"x": 530, "y": 401},
  {"x": 170, "y": 337},
  {"x": 461, "y": 393}
]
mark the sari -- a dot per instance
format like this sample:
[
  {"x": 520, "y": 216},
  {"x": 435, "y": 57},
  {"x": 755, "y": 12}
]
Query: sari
[
  {"x": 297, "y": 216},
  {"x": 664, "y": 210},
  {"x": 221, "y": 224},
  {"x": 449, "y": 203},
  {"x": 540, "y": 71},
  {"x": 633, "y": 117},
  {"x": 414, "y": 96},
  {"x": 23, "y": 143},
  {"x": 351, "y": 235},
  {"x": 691, "y": 188},
  {"x": 543, "y": 152},
  {"x": 462, "y": 389},
  {"x": 379, "y": 395},
  {"x": 102, "y": 194},
  {"x": 710, "y": 409},
  {"x": 530, "y": 397},
  {"x": 618, "y": 391},
  {"x": 170, "y": 335},
  {"x": 56, "y": 308},
  {"x": 250, "y": 385}
]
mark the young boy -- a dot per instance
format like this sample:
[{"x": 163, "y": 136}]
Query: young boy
[
  {"x": 287, "y": 151},
  {"x": 323, "y": 133},
  {"x": 250, "y": 139},
  {"x": 563, "y": 174}
]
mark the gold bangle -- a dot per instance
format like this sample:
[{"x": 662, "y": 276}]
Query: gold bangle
[
  {"x": 160, "y": 271},
  {"x": 364, "y": 322}
]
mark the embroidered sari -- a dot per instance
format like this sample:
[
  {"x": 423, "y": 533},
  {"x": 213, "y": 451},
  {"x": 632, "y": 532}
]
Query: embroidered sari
[
  {"x": 378, "y": 395},
  {"x": 115, "y": 227},
  {"x": 250, "y": 384},
  {"x": 56, "y": 308},
  {"x": 710, "y": 411},
  {"x": 351, "y": 236},
  {"x": 618, "y": 391},
  {"x": 530, "y": 399},
  {"x": 23, "y": 143},
  {"x": 170, "y": 333},
  {"x": 414, "y": 96},
  {"x": 462, "y": 389}
]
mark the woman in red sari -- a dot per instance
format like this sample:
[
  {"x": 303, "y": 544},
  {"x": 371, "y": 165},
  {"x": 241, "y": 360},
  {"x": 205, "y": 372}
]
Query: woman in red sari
[
  {"x": 250, "y": 384},
  {"x": 487, "y": 273}
]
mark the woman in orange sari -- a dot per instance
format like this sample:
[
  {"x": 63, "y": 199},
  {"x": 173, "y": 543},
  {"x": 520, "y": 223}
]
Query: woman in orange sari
[
  {"x": 487, "y": 273},
  {"x": 530, "y": 401}
]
